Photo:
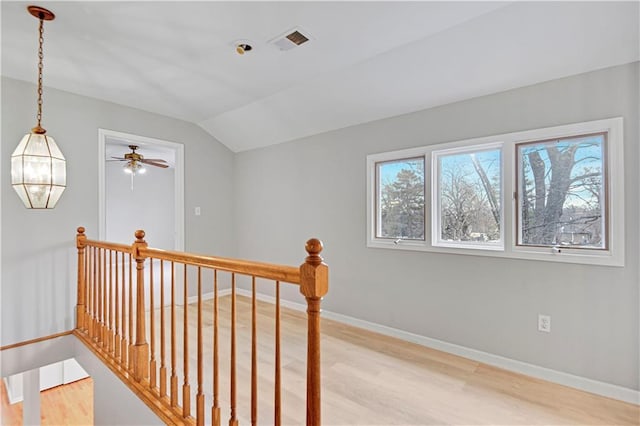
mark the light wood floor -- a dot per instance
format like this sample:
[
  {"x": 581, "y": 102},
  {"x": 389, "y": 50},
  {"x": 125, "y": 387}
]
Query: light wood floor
[
  {"x": 371, "y": 379},
  {"x": 70, "y": 404}
]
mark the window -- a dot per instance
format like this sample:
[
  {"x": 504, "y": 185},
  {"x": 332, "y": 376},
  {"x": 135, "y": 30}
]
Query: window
[
  {"x": 562, "y": 192},
  {"x": 554, "y": 194},
  {"x": 467, "y": 186},
  {"x": 400, "y": 199}
]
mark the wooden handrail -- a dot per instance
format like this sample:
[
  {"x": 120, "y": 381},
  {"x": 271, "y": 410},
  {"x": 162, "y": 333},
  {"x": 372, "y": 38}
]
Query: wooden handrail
[
  {"x": 103, "y": 244},
  {"x": 112, "y": 319},
  {"x": 288, "y": 274}
]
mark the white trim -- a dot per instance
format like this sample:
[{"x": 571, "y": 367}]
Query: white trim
[
  {"x": 12, "y": 395},
  {"x": 103, "y": 134},
  {"x": 614, "y": 256},
  {"x": 209, "y": 296},
  {"x": 582, "y": 383}
]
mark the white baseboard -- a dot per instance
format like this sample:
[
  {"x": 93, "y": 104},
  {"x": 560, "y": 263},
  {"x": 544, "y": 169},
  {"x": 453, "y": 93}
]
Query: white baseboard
[
  {"x": 12, "y": 395},
  {"x": 559, "y": 377},
  {"x": 208, "y": 296}
]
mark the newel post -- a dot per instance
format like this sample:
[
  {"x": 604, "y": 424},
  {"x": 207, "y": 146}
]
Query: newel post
[
  {"x": 314, "y": 284},
  {"x": 141, "y": 347},
  {"x": 80, "y": 307}
]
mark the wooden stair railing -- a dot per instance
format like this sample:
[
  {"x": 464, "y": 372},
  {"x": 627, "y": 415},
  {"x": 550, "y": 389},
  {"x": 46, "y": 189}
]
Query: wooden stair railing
[{"x": 112, "y": 316}]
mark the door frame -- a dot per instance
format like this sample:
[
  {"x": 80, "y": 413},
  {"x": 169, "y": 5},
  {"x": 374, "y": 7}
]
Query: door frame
[{"x": 103, "y": 134}]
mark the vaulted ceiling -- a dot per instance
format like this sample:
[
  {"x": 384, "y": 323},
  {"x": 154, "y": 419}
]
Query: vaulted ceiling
[{"x": 364, "y": 61}]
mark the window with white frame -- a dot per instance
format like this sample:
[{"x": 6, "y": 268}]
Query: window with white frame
[
  {"x": 400, "y": 200},
  {"x": 552, "y": 194},
  {"x": 562, "y": 192},
  {"x": 467, "y": 197}
]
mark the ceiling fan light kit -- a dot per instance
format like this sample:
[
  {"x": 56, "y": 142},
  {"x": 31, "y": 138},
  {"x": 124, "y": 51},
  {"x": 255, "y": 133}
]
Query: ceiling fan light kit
[
  {"x": 135, "y": 163},
  {"x": 38, "y": 168}
]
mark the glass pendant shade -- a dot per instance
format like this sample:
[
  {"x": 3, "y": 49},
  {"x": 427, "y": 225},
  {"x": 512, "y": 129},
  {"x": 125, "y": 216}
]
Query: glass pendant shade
[{"x": 38, "y": 171}]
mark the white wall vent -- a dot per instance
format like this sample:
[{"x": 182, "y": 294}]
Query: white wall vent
[{"x": 290, "y": 39}]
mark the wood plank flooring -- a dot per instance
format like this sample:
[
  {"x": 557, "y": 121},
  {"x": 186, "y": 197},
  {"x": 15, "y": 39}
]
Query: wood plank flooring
[
  {"x": 371, "y": 379},
  {"x": 70, "y": 404},
  {"x": 368, "y": 379}
]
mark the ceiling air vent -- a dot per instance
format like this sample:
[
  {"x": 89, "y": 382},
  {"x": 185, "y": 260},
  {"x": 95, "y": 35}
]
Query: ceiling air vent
[{"x": 291, "y": 39}]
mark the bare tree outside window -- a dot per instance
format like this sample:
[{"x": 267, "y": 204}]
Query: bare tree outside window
[
  {"x": 401, "y": 200},
  {"x": 561, "y": 192},
  {"x": 469, "y": 191}
]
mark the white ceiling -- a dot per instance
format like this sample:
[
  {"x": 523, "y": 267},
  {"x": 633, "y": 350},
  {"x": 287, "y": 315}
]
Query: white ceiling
[{"x": 365, "y": 61}]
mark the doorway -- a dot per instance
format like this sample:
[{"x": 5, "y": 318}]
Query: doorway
[{"x": 153, "y": 201}]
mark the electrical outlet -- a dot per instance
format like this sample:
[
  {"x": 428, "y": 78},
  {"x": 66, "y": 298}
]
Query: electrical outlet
[
  {"x": 544, "y": 323},
  {"x": 197, "y": 211}
]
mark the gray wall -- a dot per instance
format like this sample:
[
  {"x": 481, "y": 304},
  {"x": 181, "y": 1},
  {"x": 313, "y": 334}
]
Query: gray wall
[
  {"x": 38, "y": 256},
  {"x": 316, "y": 187},
  {"x": 113, "y": 402},
  {"x": 150, "y": 206}
]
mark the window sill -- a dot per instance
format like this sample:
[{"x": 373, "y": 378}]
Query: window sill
[{"x": 539, "y": 254}]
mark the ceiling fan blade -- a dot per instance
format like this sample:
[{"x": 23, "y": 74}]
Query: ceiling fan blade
[
  {"x": 119, "y": 158},
  {"x": 152, "y": 163},
  {"x": 157, "y": 160}
]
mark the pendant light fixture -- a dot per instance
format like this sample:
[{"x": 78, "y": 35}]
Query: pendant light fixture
[{"x": 38, "y": 168}]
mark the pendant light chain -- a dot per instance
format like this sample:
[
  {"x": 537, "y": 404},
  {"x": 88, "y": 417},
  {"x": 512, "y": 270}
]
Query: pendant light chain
[{"x": 40, "y": 67}]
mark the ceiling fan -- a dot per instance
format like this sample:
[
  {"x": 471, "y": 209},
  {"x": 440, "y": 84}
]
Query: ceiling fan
[
  {"x": 133, "y": 159},
  {"x": 135, "y": 162}
]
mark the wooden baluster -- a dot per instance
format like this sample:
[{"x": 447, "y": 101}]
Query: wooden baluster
[
  {"x": 80, "y": 306},
  {"x": 105, "y": 301},
  {"x": 89, "y": 297},
  {"x": 141, "y": 348},
  {"x": 97, "y": 275},
  {"x": 163, "y": 367},
  {"x": 87, "y": 275},
  {"x": 124, "y": 344},
  {"x": 102, "y": 271},
  {"x": 152, "y": 329},
  {"x": 174, "y": 376},
  {"x": 233, "y": 421},
  {"x": 110, "y": 306},
  {"x": 215, "y": 410},
  {"x": 96, "y": 292},
  {"x": 116, "y": 337},
  {"x": 186, "y": 388},
  {"x": 277, "y": 415},
  {"x": 130, "y": 332},
  {"x": 91, "y": 292},
  {"x": 200, "y": 394},
  {"x": 314, "y": 284},
  {"x": 254, "y": 355}
]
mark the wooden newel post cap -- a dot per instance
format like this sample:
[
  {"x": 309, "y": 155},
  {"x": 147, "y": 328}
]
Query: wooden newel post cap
[
  {"x": 139, "y": 236},
  {"x": 314, "y": 275},
  {"x": 80, "y": 230},
  {"x": 314, "y": 248}
]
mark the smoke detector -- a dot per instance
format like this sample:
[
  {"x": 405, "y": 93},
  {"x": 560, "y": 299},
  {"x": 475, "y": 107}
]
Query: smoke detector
[{"x": 290, "y": 39}]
